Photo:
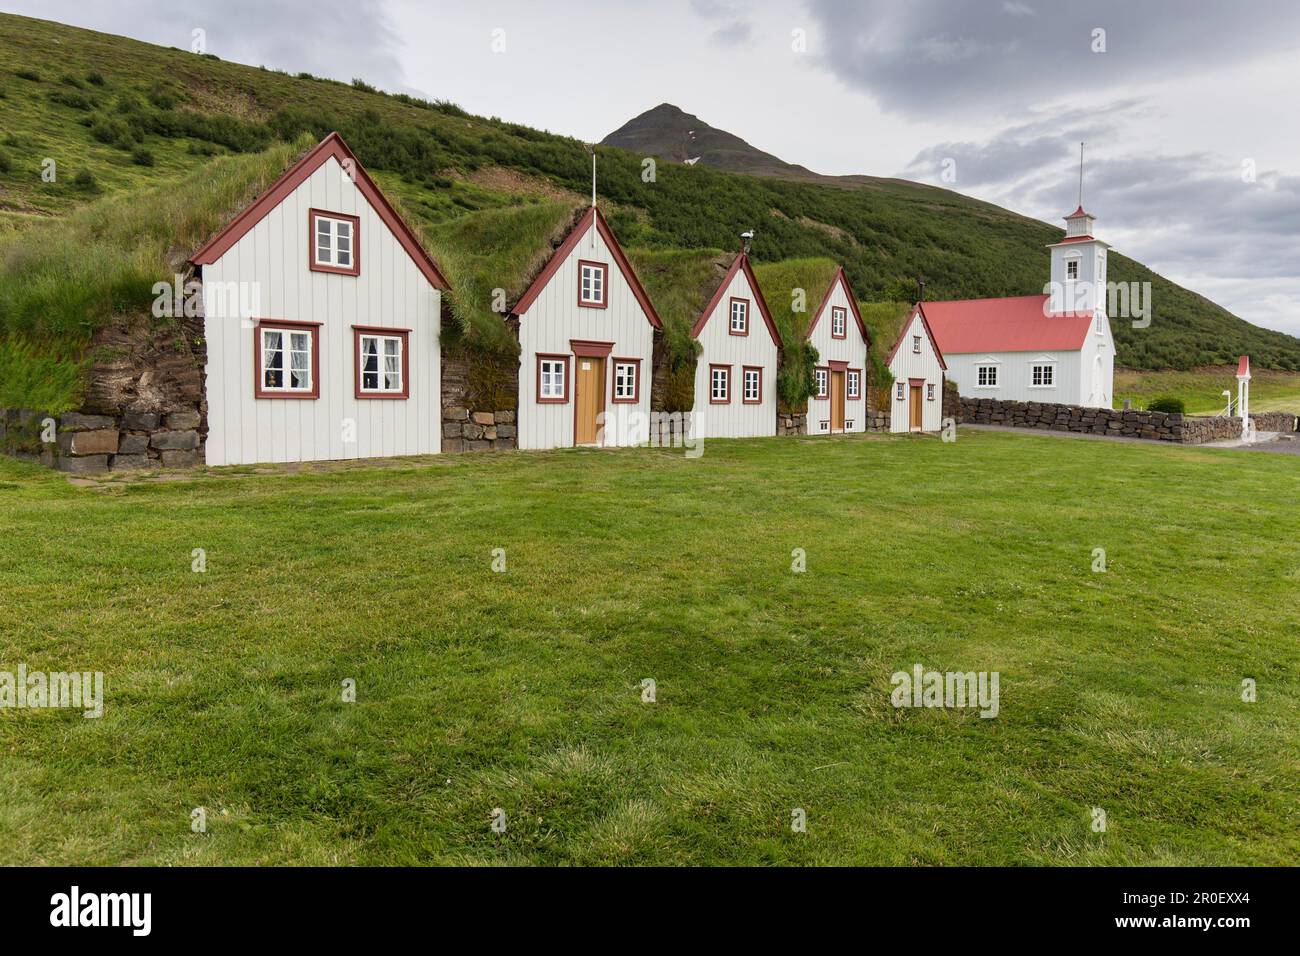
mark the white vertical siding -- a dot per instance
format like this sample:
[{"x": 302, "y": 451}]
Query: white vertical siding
[
  {"x": 907, "y": 365},
  {"x": 1015, "y": 371},
  {"x": 390, "y": 291},
  {"x": 720, "y": 347},
  {"x": 553, "y": 319},
  {"x": 851, "y": 349}
]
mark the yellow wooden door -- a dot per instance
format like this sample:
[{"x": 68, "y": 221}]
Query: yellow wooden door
[
  {"x": 837, "y": 401},
  {"x": 589, "y": 399},
  {"x": 916, "y": 408}
]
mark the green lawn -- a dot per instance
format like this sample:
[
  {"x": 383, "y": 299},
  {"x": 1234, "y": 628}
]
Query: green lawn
[
  {"x": 1201, "y": 389},
  {"x": 522, "y": 690}
]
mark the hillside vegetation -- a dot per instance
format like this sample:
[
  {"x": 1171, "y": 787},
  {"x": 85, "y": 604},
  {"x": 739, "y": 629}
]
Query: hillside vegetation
[{"x": 118, "y": 118}]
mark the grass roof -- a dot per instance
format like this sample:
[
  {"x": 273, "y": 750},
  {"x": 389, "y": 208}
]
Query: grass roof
[
  {"x": 782, "y": 282},
  {"x": 63, "y": 279},
  {"x": 497, "y": 249},
  {"x": 680, "y": 282}
]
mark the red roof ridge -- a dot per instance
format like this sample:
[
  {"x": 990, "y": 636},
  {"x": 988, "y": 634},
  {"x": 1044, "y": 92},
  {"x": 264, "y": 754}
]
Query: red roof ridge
[{"x": 293, "y": 177}]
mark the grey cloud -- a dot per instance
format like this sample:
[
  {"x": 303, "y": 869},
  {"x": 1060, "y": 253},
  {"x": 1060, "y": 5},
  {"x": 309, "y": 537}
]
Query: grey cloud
[
  {"x": 939, "y": 57},
  {"x": 736, "y": 31},
  {"x": 734, "y": 34}
]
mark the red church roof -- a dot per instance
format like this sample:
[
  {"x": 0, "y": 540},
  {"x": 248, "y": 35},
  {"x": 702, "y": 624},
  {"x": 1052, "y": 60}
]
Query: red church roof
[{"x": 1014, "y": 324}]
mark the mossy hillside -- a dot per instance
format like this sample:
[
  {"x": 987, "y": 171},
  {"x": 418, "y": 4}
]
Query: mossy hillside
[
  {"x": 152, "y": 113},
  {"x": 680, "y": 283},
  {"x": 62, "y": 278},
  {"x": 793, "y": 290}
]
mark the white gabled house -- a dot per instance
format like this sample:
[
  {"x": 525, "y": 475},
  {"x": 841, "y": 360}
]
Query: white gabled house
[
  {"x": 917, "y": 364},
  {"x": 340, "y": 356},
  {"x": 586, "y": 337},
  {"x": 841, "y": 339},
  {"x": 735, "y": 377},
  {"x": 1056, "y": 347}
]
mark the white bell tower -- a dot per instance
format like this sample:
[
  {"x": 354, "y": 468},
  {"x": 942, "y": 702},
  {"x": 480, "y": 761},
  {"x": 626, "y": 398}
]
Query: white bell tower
[{"x": 1078, "y": 282}]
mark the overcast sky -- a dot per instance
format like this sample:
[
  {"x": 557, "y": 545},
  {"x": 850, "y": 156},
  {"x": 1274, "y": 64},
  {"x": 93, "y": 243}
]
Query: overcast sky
[{"x": 1189, "y": 108}]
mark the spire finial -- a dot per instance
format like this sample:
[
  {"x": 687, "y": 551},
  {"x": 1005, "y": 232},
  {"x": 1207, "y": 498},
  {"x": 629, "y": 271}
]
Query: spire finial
[{"x": 1080, "y": 175}]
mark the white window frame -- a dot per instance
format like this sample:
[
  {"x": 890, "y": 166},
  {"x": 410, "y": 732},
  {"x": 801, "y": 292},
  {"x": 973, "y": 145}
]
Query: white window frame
[
  {"x": 598, "y": 281},
  {"x": 822, "y": 377},
  {"x": 839, "y": 322},
  {"x": 929, "y": 391},
  {"x": 1042, "y": 375},
  {"x": 558, "y": 387},
  {"x": 743, "y": 313},
  {"x": 749, "y": 375},
  {"x": 720, "y": 375},
  {"x": 992, "y": 376},
  {"x": 899, "y": 391},
  {"x": 335, "y": 246},
  {"x": 286, "y": 365},
  {"x": 625, "y": 381},
  {"x": 916, "y": 345},
  {"x": 382, "y": 354},
  {"x": 1074, "y": 261},
  {"x": 853, "y": 384}
]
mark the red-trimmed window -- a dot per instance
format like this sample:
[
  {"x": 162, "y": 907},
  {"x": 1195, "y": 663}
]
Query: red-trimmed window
[
  {"x": 627, "y": 381},
  {"x": 916, "y": 345},
  {"x": 286, "y": 356},
  {"x": 929, "y": 391},
  {"x": 383, "y": 362},
  {"x": 719, "y": 384},
  {"x": 739, "y": 317},
  {"x": 853, "y": 383},
  {"x": 751, "y": 386},
  {"x": 552, "y": 379},
  {"x": 335, "y": 242},
  {"x": 839, "y": 322},
  {"x": 823, "y": 382},
  {"x": 898, "y": 390},
  {"x": 593, "y": 284}
]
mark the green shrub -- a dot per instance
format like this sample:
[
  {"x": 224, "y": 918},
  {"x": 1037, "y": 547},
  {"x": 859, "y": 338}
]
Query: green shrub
[
  {"x": 85, "y": 180},
  {"x": 362, "y": 85},
  {"x": 6, "y": 164},
  {"x": 76, "y": 101},
  {"x": 141, "y": 156},
  {"x": 28, "y": 75},
  {"x": 94, "y": 78},
  {"x": 1166, "y": 403}
]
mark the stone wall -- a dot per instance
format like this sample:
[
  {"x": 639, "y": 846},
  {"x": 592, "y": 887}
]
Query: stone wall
[
  {"x": 1276, "y": 422},
  {"x": 94, "y": 444},
  {"x": 1127, "y": 423},
  {"x": 479, "y": 399},
  {"x": 791, "y": 423}
]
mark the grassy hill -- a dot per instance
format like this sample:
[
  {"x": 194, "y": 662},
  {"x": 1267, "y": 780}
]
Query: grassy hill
[{"x": 118, "y": 117}]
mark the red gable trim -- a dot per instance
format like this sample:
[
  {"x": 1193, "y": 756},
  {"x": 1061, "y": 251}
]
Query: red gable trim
[
  {"x": 925, "y": 324},
  {"x": 853, "y": 305},
  {"x": 331, "y": 146},
  {"x": 740, "y": 262},
  {"x": 561, "y": 256}
]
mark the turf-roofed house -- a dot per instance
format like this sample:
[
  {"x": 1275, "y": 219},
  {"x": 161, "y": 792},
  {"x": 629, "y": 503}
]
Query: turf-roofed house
[
  {"x": 917, "y": 366},
  {"x": 266, "y": 307},
  {"x": 1055, "y": 347},
  {"x": 837, "y": 341},
  {"x": 586, "y": 331},
  {"x": 721, "y": 357}
]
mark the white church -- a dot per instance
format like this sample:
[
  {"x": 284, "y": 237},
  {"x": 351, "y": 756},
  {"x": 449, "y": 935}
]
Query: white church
[{"x": 1056, "y": 347}]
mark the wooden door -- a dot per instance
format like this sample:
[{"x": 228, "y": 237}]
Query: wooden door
[
  {"x": 588, "y": 399},
  {"x": 837, "y": 401},
  {"x": 916, "y": 409}
]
